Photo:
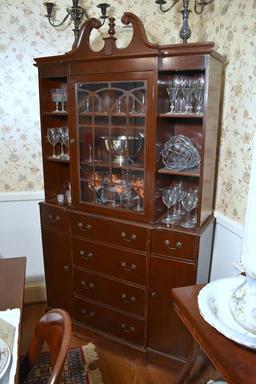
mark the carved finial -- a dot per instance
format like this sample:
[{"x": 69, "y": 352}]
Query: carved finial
[{"x": 112, "y": 25}]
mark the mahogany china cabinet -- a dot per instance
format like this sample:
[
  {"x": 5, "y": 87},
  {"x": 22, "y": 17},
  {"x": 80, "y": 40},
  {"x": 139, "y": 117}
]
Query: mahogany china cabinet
[{"x": 127, "y": 134}]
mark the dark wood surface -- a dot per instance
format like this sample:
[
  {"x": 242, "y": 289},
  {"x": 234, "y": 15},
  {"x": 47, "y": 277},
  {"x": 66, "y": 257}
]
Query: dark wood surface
[
  {"x": 237, "y": 364},
  {"x": 12, "y": 279}
]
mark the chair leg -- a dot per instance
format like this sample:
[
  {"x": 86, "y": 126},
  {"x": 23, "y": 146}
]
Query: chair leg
[{"x": 185, "y": 371}]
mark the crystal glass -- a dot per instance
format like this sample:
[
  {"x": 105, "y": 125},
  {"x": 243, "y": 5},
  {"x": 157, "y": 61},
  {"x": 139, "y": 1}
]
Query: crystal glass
[
  {"x": 188, "y": 96},
  {"x": 64, "y": 140},
  {"x": 53, "y": 138},
  {"x": 169, "y": 197},
  {"x": 189, "y": 202},
  {"x": 172, "y": 94},
  {"x": 180, "y": 194},
  {"x": 64, "y": 98},
  {"x": 199, "y": 99},
  {"x": 56, "y": 97},
  {"x": 133, "y": 110}
]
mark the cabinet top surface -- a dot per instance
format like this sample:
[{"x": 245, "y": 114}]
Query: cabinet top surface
[{"x": 138, "y": 47}]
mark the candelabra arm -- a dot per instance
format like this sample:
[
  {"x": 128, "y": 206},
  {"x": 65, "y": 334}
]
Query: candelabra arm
[
  {"x": 160, "y": 3},
  {"x": 200, "y": 4},
  {"x": 57, "y": 25}
]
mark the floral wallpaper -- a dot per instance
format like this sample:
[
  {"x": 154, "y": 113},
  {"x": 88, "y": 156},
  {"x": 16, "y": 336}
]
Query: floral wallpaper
[{"x": 25, "y": 34}]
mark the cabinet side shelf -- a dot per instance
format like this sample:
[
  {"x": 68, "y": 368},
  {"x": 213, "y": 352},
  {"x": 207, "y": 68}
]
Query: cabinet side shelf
[{"x": 195, "y": 172}]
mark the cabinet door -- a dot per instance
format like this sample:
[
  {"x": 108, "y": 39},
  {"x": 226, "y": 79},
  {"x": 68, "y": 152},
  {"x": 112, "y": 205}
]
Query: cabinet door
[
  {"x": 166, "y": 332},
  {"x": 57, "y": 264}
]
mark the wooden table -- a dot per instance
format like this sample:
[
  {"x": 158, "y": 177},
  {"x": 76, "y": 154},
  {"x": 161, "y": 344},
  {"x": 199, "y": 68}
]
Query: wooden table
[
  {"x": 236, "y": 364},
  {"x": 12, "y": 279}
]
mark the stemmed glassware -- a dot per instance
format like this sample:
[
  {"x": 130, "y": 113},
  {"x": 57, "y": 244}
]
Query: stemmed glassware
[
  {"x": 64, "y": 140},
  {"x": 169, "y": 197},
  {"x": 53, "y": 138},
  {"x": 189, "y": 202},
  {"x": 172, "y": 93},
  {"x": 59, "y": 95},
  {"x": 64, "y": 98}
]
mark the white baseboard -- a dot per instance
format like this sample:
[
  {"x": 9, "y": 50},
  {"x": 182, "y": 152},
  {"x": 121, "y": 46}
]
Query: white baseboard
[
  {"x": 21, "y": 196},
  {"x": 34, "y": 293}
]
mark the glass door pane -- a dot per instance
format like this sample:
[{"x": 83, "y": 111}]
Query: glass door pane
[{"x": 112, "y": 134}]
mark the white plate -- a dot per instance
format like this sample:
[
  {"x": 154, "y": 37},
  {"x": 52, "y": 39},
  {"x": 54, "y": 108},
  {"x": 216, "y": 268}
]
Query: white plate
[
  {"x": 213, "y": 302},
  {"x": 5, "y": 357}
]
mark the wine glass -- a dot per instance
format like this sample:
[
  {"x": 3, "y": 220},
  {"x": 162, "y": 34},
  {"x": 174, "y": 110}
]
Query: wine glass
[
  {"x": 194, "y": 217},
  {"x": 64, "y": 97},
  {"x": 180, "y": 193},
  {"x": 56, "y": 97},
  {"x": 63, "y": 139},
  {"x": 133, "y": 110},
  {"x": 169, "y": 197},
  {"x": 172, "y": 94},
  {"x": 189, "y": 202},
  {"x": 53, "y": 138}
]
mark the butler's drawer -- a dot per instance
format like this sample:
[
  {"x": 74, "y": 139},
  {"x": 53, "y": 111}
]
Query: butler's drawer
[
  {"x": 111, "y": 322},
  {"x": 174, "y": 244},
  {"x": 125, "y": 265},
  {"x": 125, "y": 235},
  {"x": 118, "y": 295},
  {"x": 55, "y": 217}
]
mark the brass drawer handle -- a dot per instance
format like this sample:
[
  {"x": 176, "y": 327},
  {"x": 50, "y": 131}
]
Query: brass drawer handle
[
  {"x": 178, "y": 245},
  {"x": 84, "y": 227},
  {"x": 128, "y": 300},
  {"x": 126, "y": 268},
  {"x": 54, "y": 219},
  {"x": 84, "y": 256},
  {"x": 126, "y": 238},
  {"x": 153, "y": 294},
  {"x": 66, "y": 268},
  {"x": 127, "y": 329},
  {"x": 87, "y": 314},
  {"x": 87, "y": 286}
]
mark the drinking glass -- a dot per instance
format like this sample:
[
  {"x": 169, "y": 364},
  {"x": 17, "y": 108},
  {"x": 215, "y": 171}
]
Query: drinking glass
[
  {"x": 64, "y": 98},
  {"x": 63, "y": 138},
  {"x": 56, "y": 97},
  {"x": 188, "y": 93},
  {"x": 199, "y": 99},
  {"x": 189, "y": 202},
  {"x": 172, "y": 93},
  {"x": 133, "y": 110},
  {"x": 53, "y": 138},
  {"x": 180, "y": 193},
  {"x": 169, "y": 197}
]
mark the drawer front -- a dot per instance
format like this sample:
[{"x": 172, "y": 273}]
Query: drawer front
[
  {"x": 109, "y": 321},
  {"x": 125, "y": 235},
  {"x": 174, "y": 244},
  {"x": 54, "y": 217},
  {"x": 122, "y": 264},
  {"x": 118, "y": 295}
]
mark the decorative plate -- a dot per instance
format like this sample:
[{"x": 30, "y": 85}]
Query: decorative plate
[
  {"x": 213, "y": 302},
  {"x": 5, "y": 357}
]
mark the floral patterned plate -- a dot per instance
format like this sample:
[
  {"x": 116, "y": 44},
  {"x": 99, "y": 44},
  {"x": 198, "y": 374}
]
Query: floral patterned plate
[
  {"x": 214, "y": 300},
  {"x": 5, "y": 357}
]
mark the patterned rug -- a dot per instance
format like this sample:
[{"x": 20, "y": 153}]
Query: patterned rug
[{"x": 76, "y": 369}]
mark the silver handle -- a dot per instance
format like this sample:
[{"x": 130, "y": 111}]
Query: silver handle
[
  {"x": 84, "y": 227},
  {"x": 54, "y": 219},
  {"x": 128, "y": 300},
  {"x": 87, "y": 314},
  {"x": 87, "y": 286},
  {"x": 126, "y": 268},
  {"x": 72, "y": 141},
  {"x": 126, "y": 238},
  {"x": 84, "y": 256},
  {"x": 127, "y": 329},
  {"x": 66, "y": 268},
  {"x": 178, "y": 245}
]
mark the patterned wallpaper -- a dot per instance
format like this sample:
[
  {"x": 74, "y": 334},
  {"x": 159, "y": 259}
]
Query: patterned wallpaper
[{"x": 25, "y": 34}]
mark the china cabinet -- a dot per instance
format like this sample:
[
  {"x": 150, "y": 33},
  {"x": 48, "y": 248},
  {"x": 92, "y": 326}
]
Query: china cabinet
[{"x": 142, "y": 137}]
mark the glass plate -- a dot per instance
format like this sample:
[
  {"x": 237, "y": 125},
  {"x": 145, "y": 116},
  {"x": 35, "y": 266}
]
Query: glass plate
[{"x": 5, "y": 357}]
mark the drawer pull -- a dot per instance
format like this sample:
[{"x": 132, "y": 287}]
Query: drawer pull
[
  {"x": 153, "y": 294},
  {"x": 126, "y": 238},
  {"x": 127, "y": 329},
  {"x": 53, "y": 219},
  {"x": 126, "y": 268},
  {"x": 87, "y": 286},
  {"x": 84, "y": 256},
  {"x": 87, "y": 314},
  {"x": 84, "y": 227},
  {"x": 178, "y": 245},
  {"x": 128, "y": 300},
  {"x": 66, "y": 268}
]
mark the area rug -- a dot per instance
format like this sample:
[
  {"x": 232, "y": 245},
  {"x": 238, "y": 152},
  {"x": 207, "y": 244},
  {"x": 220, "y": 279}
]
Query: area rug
[{"x": 76, "y": 369}]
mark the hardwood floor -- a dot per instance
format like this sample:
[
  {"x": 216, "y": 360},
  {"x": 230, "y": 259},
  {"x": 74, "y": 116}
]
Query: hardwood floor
[{"x": 117, "y": 364}]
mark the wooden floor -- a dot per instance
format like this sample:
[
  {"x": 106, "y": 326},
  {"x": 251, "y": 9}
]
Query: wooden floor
[{"x": 117, "y": 365}]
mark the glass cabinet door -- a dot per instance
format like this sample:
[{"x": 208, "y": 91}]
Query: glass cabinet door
[{"x": 112, "y": 134}]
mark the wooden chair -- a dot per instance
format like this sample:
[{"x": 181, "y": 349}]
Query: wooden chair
[{"x": 55, "y": 329}]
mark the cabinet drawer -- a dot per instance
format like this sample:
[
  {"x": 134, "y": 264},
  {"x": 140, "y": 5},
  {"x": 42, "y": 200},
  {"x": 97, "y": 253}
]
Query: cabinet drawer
[
  {"x": 118, "y": 295},
  {"x": 174, "y": 244},
  {"x": 111, "y": 322},
  {"x": 54, "y": 217},
  {"x": 125, "y": 235},
  {"x": 125, "y": 265}
]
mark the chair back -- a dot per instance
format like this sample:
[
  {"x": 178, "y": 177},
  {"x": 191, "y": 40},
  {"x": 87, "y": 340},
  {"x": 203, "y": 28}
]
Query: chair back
[{"x": 55, "y": 329}]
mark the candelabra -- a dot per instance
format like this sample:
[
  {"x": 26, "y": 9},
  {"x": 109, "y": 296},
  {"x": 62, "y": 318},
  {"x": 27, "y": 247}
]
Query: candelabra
[
  {"x": 76, "y": 13},
  {"x": 199, "y": 5}
]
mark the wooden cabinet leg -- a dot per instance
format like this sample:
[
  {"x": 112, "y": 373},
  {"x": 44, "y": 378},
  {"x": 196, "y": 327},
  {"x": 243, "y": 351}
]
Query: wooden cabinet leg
[{"x": 184, "y": 373}]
